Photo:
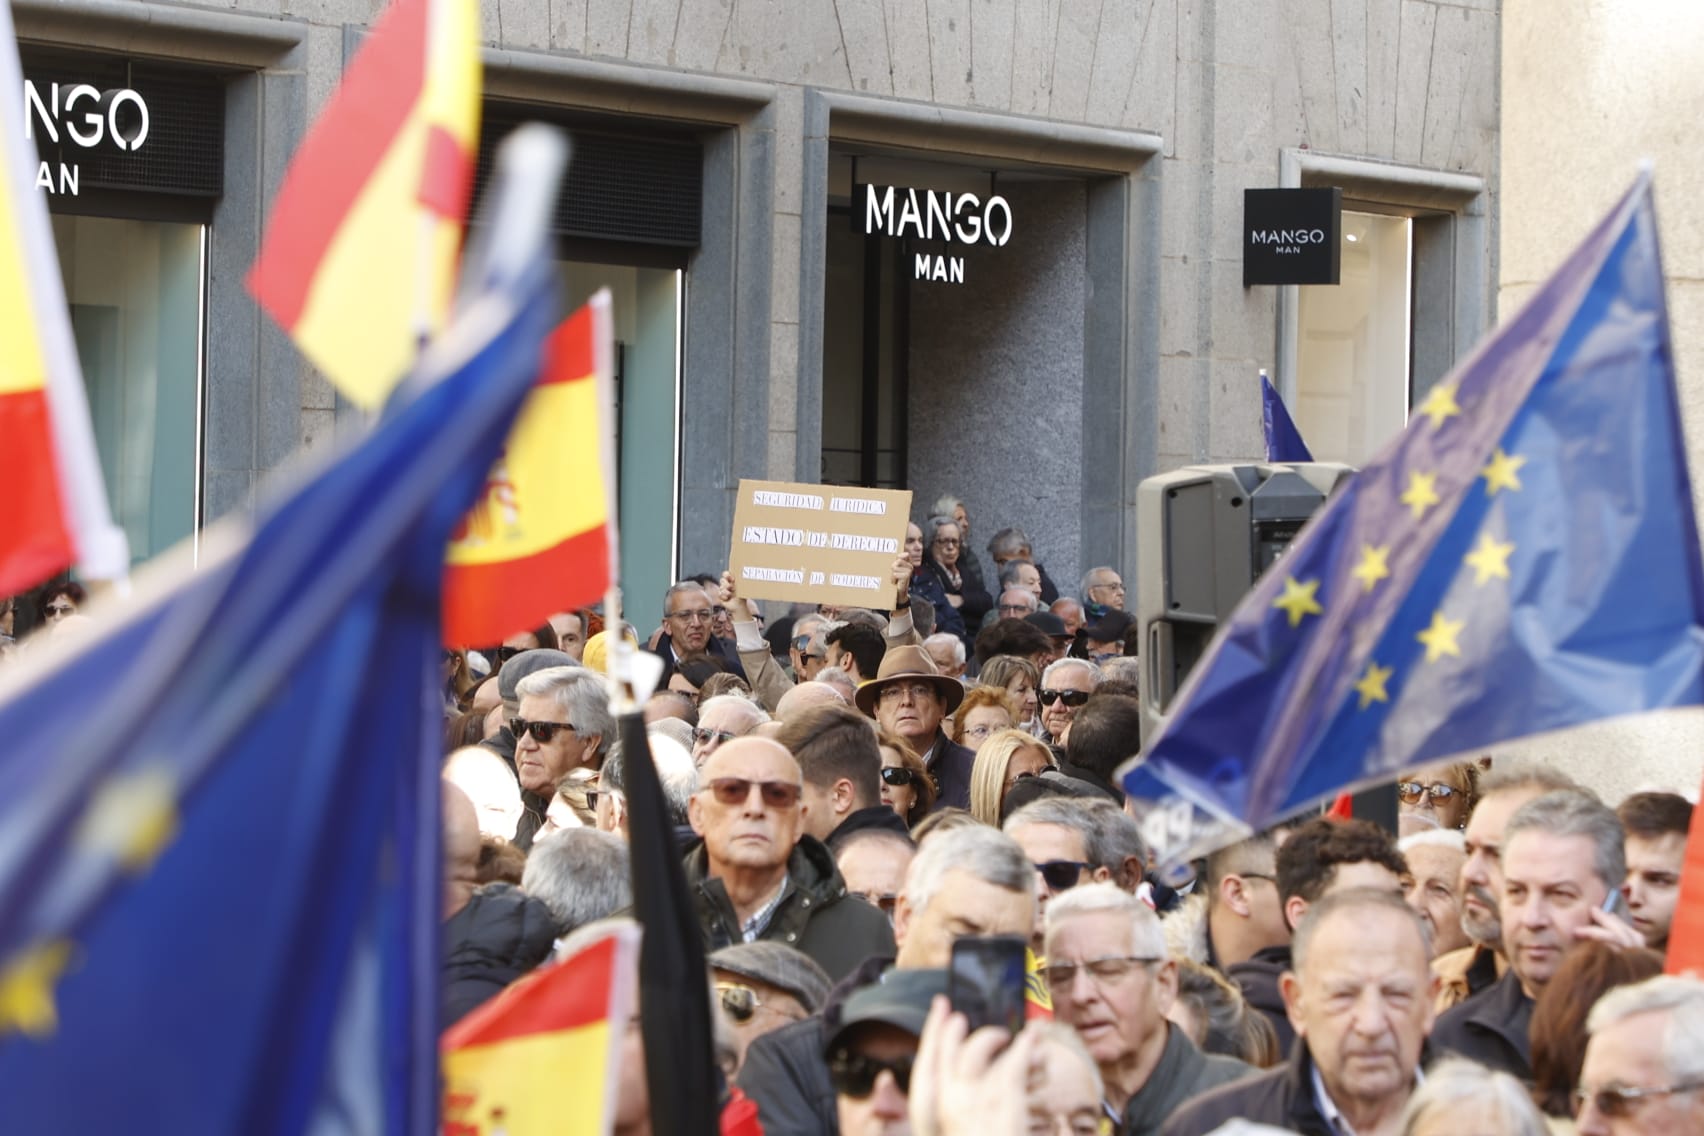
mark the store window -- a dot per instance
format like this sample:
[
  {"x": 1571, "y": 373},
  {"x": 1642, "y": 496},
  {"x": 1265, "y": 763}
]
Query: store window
[
  {"x": 1353, "y": 353},
  {"x": 134, "y": 290}
]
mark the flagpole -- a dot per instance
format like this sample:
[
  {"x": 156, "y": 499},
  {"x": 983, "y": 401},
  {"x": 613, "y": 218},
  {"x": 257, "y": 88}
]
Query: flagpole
[{"x": 624, "y": 699}]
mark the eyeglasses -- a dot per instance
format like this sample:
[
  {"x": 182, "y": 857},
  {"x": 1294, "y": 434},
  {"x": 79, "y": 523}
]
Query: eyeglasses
[
  {"x": 1072, "y": 698},
  {"x": 1061, "y": 874},
  {"x": 54, "y": 610},
  {"x": 897, "y": 775},
  {"x": 741, "y": 1003},
  {"x": 917, "y": 690},
  {"x": 1618, "y": 1101},
  {"x": 1059, "y": 976},
  {"x": 854, "y": 1074},
  {"x": 702, "y": 615},
  {"x": 1024, "y": 776},
  {"x": 737, "y": 791},
  {"x": 982, "y": 731},
  {"x": 1015, "y": 609},
  {"x": 883, "y": 900},
  {"x": 1410, "y": 792},
  {"x": 948, "y": 541},
  {"x": 542, "y": 732},
  {"x": 711, "y": 738}
]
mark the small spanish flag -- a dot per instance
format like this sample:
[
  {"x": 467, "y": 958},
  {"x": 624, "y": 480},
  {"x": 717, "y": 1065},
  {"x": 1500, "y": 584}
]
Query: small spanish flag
[
  {"x": 359, "y": 260},
  {"x": 540, "y": 1059},
  {"x": 538, "y": 540},
  {"x": 56, "y": 509}
]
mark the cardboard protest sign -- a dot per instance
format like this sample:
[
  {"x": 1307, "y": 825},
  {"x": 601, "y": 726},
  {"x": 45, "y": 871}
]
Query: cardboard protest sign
[{"x": 821, "y": 544}]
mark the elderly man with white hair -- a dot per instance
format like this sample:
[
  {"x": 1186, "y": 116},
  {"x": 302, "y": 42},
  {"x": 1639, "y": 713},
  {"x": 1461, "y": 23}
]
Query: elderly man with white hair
[
  {"x": 947, "y": 651},
  {"x": 1644, "y": 1068},
  {"x": 721, "y": 720},
  {"x": 1110, "y": 980}
]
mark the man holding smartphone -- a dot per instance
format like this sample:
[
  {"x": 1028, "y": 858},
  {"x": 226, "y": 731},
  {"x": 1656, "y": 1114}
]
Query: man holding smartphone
[{"x": 1562, "y": 866}]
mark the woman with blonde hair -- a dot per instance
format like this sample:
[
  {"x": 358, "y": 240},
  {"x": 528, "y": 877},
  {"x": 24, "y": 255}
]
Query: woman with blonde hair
[
  {"x": 1021, "y": 679},
  {"x": 1006, "y": 758},
  {"x": 985, "y": 709}
]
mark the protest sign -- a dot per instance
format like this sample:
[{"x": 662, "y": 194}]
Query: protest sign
[{"x": 822, "y": 544}]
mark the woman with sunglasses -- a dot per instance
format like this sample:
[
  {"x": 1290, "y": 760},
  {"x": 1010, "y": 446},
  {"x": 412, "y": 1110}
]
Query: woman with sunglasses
[
  {"x": 1438, "y": 796},
  {"x": 906, "y": 786},
  {"x": 62, "y": 600},
  {"x": 1007, "y": 757}
]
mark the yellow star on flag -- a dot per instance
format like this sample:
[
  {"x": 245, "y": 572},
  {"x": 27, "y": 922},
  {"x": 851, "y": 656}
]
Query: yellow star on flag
[
  {"x": 1490, "y": 559},
  {"x": 1374, "y": 565},
  {"x": 1298, "y": 600},
  {"x": 1440, "y": 404},
  {"x": 26, "y": 990},
  {"x": 1501, "y": 473},
  {"x": 1371, "y": 688},
  {"x": 1422, "y": 492},
  {"x": 1440, "y": 638},
  {"x": 132, "y": 817}
]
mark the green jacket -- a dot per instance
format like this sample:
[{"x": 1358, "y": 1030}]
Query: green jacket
[{"x": 816, "y": 915}]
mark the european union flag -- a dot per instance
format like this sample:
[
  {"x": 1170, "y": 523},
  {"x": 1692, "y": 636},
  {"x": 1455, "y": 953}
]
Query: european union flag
[
  {"x": 1283, "y": 441},
  {"x": 1522, "y": 558},
  {"x": 219, "y": 868}
]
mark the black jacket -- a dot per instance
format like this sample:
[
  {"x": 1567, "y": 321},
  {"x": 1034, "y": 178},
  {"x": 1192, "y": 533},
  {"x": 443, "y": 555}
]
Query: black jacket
[
  {"x": 500, "y": 935},
  {"x": 1282, "y": 1097},
  {"x": 1493, "y": 1028},
  {"x": 816, "y": 914},
  {"x": 1258, "y": 979},
  {"x": 1183, "y": 1073},
  {"x": 716, "y": 647},
  {"x": 949, "y": 765},
  {"x": 875, "y": 818},
  {"x": 977, "y": 602},
  {"x": 784, "y": 1070}
]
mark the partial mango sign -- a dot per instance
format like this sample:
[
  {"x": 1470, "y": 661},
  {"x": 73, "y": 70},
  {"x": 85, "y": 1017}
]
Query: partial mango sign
[{"x": 820, "y": 544}]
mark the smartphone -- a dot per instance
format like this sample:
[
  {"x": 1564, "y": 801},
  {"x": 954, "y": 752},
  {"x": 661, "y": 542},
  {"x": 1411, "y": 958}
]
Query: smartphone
[
  {"x": 1616, "y": 904},
  {"x": 985, "y": 981}
]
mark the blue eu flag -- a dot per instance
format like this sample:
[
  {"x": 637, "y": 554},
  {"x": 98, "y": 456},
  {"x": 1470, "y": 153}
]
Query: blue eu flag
[
  {"x": 1283, "y": 441},
  {"x": 1522, "y": 558},
  {"x": 219, "y": 867}
]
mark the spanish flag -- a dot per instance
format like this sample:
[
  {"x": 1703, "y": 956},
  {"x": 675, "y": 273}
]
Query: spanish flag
[
  {"x": 540, "y": 1059},
  {"x": 538, "y": 540},
  {"x": 358, "y": 262},
  {"x": 56, "y": 510}
]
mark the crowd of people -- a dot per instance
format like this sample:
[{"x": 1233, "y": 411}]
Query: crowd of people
[
  {"x": 855, "y": 791},
  {"x": 860, "y": 789}
]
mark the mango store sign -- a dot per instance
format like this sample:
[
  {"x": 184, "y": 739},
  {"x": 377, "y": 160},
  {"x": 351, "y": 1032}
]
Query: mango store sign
[
  {"x": 931, "y": 215},
  {"x": 74, "y": 117}
]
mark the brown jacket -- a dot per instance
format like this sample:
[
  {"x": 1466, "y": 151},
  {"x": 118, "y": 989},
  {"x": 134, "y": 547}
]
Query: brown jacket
[{"x": 1465, "y": 972}]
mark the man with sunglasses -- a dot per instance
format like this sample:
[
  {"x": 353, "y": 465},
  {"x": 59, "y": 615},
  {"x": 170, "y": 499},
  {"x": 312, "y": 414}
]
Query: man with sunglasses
[
  {"x": 764, "y": 986},
  {"x": 721, "y": 720},
  {"x": 1060, "y": 839},
  {"x": 1644, "y": 1069},
  {"x": 1361, "y": 996},
  {"x": 756, "y": 875},
  {"x": 910, "y": 697},
  {"x": 870, "y": 1056},
  {"x": 1110, "y": 980},
  {"x": 561, "y": 723},
  {"x": 1065, "y": 687}
]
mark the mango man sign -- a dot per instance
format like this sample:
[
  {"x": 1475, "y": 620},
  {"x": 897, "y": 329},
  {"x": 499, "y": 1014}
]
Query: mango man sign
[{"x": 821, "y": 544}]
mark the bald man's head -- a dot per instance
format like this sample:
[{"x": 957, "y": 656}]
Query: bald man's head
[
  {"x": 805, "y": 696},
  {"x": 748, "y": 807},
  {"x": 461, "y": 849}
]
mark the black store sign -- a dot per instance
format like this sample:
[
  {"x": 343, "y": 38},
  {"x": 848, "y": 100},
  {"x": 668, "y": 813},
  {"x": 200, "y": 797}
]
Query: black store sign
[
  {"x": 104, "y": 125},
  {"x": 1292, "y": 236}
]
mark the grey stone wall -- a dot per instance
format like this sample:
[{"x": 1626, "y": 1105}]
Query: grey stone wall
[{"x": 996, "y": 406}]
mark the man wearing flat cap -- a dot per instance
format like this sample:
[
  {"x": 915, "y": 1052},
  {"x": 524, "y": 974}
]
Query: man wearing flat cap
[
  {"x": 763, "y": 986},
  {"x": 910, "y": 696}
]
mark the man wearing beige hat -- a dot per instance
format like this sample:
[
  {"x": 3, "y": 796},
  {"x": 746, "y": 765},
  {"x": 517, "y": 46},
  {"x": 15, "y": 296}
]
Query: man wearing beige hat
[{"x": 910, "y": 696}]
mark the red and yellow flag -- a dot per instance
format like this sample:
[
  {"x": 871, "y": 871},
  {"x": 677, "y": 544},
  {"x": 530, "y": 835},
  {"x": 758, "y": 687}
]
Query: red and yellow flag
[
  {"x": 359, "y": 260},
  {"x": 541, "y": 1057},
  {"x": 538, "y": 540},
  {"x": 1686, "y": 932},
  {"x": 56, "y": 507}
]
